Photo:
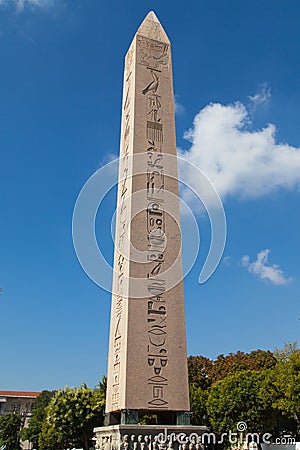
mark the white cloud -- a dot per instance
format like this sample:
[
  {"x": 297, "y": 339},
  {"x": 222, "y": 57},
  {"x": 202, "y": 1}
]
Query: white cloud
[
  {"x": 227, "y": 261},
  {"x": 261, "y": 97},
  {"x": 237, "y": 160},
  {"x": 21, "y": 4},
  {"x": 179, "y": 108},
  {"x": 263, "y": 270}
]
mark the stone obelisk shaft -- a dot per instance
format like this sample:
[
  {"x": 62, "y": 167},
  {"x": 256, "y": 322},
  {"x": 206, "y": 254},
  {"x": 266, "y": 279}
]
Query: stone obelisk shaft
[{"x": 147, "y": 367}]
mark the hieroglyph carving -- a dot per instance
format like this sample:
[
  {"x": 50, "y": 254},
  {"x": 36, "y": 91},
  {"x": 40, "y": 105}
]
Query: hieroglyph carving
[
  {"x": 122, "y": 234},
  {"x": 152, "y": 53},
  {"x": 156, "y": 236}
]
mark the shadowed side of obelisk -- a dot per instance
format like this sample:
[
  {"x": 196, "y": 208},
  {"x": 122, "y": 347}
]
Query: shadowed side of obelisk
[{"x": 147, "y": 366}]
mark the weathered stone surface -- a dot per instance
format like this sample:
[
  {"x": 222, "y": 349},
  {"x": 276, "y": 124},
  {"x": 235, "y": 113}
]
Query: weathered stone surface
[
  {"x": 147, "y": 367},
  {"x": 151, "y": 437}
]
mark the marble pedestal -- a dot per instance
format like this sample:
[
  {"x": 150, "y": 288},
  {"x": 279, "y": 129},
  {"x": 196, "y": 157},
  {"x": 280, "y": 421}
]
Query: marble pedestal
[{"x": 150, "y": 437}]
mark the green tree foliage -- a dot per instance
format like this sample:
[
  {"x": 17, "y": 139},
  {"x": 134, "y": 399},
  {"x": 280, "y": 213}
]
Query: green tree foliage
[
  {"x": 203, "y": 372},
  {"x": 284, "y": 354},
  {"x": 200, "y": 371},
  {"x": 72, "y": 414},
  {"x": 50, "y": 438},
  {"x": 36, "y": 421},
  {"x": 236, "y": 398},
  {"x": 100, "y": 395},
  {"x": 198, "y": 402},
  {"x": 10, "y": 425},
  {"x": 281, "y": 387}
]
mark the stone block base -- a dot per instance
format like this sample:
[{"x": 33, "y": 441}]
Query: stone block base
[{"x": 150, "y": 437}]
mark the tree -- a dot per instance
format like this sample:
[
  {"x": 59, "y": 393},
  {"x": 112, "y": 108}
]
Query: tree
[
  {"x": 281, "y": 387},
  {"x": 284, "y": 354},
  {"x": 50, "y": 438},
  {"x": 234, "y": 399},
  {"x": 203, "y": 372},
  {"x": 200, "y": 371},
  {"x": 100, "y": 395},
  {"x": 261, "y": 360},
  {"x": 72, "y": 414},
  {"x": 257, "y": 360},
  {"x": 34, "y": 429},
  {"x": 10, "y": 425},
  {"x": 198, "y": 402}
]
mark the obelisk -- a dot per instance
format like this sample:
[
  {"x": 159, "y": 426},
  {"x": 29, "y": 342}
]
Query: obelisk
[{"x": 147, "y": 365}]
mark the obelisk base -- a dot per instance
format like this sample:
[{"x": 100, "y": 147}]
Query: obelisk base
[{"x": 151, "y": 437}]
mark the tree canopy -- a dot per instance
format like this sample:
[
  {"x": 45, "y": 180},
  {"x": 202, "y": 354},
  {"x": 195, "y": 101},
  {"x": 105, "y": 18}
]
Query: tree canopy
[
  {"x": 260, "y": 388},
  {"x": 10, "y": 425},
  {"x": 71, "y": 416},
  {"x": 36, "y": 421},
  {"x": 234, "y": 399},
  {"x": 281, "y": 387},
  {"x": 203, "y": 372}
]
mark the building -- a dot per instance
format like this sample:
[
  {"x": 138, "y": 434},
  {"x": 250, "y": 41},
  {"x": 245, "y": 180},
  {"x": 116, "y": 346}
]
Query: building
[
  {"x": 17, "y": 402},
  {"x": 20, "y": 403}
]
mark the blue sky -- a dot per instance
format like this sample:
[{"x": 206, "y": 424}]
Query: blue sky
[{"x": 237, "y": 64}]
